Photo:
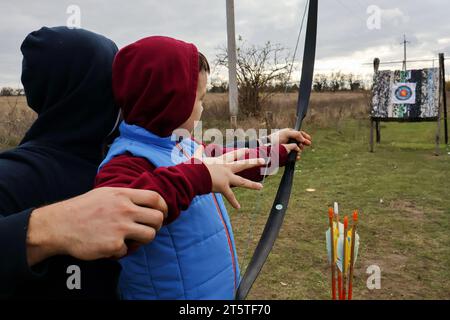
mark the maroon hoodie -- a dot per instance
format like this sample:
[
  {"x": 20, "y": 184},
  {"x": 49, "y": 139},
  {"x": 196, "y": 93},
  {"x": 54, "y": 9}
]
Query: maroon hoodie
[{"x": 155, "y": 84}]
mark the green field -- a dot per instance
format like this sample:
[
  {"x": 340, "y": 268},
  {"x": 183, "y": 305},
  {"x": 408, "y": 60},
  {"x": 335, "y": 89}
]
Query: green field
[{"x": 402, "y": 192}]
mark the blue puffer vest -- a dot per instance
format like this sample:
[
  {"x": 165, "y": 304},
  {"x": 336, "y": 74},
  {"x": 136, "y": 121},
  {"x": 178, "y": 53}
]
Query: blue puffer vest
[{"x": 192, "y": 258}]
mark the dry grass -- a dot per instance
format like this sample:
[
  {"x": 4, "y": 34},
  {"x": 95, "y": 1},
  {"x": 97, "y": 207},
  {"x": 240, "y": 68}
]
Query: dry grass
[
  {"x": 15, "y": 119},
  {"x": 326, "y": 110}
]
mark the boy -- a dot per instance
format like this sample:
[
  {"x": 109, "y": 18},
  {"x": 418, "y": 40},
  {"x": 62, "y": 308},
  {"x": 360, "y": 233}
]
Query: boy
[{"x": 159, "y": 83}]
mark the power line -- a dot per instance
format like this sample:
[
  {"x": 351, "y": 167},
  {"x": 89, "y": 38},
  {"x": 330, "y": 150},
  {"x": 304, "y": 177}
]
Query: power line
[
  {"x": 362, "y": 5},
  {"x": 398, "y": 62},
  {"x": 353, "y": 12}
]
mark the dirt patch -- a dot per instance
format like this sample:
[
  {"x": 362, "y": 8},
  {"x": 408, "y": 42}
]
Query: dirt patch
[
  {"x": 410, "y": 208},
  {"x": 397, "y": 281}
]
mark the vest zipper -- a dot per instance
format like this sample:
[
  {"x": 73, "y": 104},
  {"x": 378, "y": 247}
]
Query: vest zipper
[{"x": 223, "y": 222}]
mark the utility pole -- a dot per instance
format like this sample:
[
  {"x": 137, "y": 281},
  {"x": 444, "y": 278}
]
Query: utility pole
[
  {"x": 404, "y": 51},
  {"x": 232, "y": 74}
]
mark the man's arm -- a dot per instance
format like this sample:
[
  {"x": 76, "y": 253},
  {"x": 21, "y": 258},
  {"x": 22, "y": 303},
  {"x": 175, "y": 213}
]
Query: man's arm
[
  {"x": 14, "y": 267},
  {"x": 72, "y": 227}
]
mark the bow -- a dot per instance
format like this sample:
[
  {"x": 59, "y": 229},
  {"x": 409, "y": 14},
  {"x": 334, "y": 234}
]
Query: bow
[{"x": 280, "y": 204}]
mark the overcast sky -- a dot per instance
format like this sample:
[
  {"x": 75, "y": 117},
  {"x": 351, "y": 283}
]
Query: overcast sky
[{"x": 345, "y": 41}]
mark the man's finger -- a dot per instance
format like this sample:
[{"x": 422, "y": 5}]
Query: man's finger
[
  {"x": 149, "y": 217},
  {"x": 140, "y": 233},
  {"x": 241, "y": 165},
  {"x": 240, "y": 182},
  {"x": 121, "y": 252},
  {"x": 147, "y": 198}
]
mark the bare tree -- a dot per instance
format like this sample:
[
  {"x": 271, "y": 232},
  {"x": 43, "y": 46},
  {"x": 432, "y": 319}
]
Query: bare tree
[
  {"x": 320, "y": 82},
  {"x": 218, "y": 86},
  {"x": 259, "y": 70},
  {"x": 19, "y": 92},
  {"x": 354, "y": 82},
  {"x": 7, "y": 92}
]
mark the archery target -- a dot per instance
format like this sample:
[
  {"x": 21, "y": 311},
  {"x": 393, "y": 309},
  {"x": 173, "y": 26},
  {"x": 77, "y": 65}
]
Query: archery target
[
  {"x": 404, "y": 93},
  {"x": 421, "y": 86}
]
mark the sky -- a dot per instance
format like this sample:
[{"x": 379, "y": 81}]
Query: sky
[{"x": 350, "y": 32}]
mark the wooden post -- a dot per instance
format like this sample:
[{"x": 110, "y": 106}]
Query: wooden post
[
  {"x": 371, "y": 134},
  {"x": 444, "y": 94},
  {"x": 232, "y": 73},
  {"x": 377, "y": 125},
  {"x": 376, "y": 66},
  {"x": 233, "y": 120},
  {"x": 438, "y": 125},
  {"x": 438, "y": 131},
  {"x": 269, "y": 120}
]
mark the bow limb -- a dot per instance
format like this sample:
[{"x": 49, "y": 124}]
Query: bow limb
[{"x": 280, "y": 204}]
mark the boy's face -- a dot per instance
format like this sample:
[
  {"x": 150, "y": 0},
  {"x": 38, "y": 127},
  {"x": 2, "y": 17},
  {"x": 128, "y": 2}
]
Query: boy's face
[{"x": 198, "y": 104}]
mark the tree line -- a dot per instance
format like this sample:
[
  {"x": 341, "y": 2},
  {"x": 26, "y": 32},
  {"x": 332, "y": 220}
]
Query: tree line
[{"x": 8, "y": 92}]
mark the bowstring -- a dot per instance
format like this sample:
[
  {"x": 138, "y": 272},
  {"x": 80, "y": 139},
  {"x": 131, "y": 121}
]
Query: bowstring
[
  {"x": 296, "y": 47},
  {"x": 257, "y": 207}
]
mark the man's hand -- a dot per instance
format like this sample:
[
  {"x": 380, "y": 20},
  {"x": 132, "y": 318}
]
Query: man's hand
[
  {"x": 223, "y": 171},
  {"x": 95, "y": 225}
]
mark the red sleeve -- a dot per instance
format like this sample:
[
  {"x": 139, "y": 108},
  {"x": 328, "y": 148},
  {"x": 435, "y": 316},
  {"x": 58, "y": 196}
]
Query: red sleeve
[
  {"x": 178, "y": 185},
  {"x": 254, "y": 174}
]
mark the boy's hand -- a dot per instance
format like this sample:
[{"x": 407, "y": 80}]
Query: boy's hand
[
  {"x": 283, "y": 136},
  {"x": 223, "y": 171},
  {"x": 293, "y": 147}
]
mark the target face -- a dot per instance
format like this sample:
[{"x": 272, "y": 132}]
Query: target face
[{"x": 404, "y": 93}]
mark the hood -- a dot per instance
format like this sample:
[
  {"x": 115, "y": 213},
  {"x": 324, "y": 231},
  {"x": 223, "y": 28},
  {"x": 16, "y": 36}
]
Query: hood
[
  {"x": 67, "y": 76},
  {"x": 155, "y": 83}
]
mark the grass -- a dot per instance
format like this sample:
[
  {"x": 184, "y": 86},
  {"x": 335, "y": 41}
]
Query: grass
[{"x": 401, "y": 190}]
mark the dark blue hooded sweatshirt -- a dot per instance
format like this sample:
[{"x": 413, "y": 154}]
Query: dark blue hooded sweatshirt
[{"x": 66, "y": 75}]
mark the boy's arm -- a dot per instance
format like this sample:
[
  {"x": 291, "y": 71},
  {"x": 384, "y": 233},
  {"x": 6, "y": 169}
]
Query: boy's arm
[
  {"x": 178, "y": 185},
  {"x": 254, "y": 174}
]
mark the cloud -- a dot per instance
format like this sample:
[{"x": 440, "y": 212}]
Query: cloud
[
  {"x": 344, "y": 41},
  {"x": 395, "y": 16}
]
